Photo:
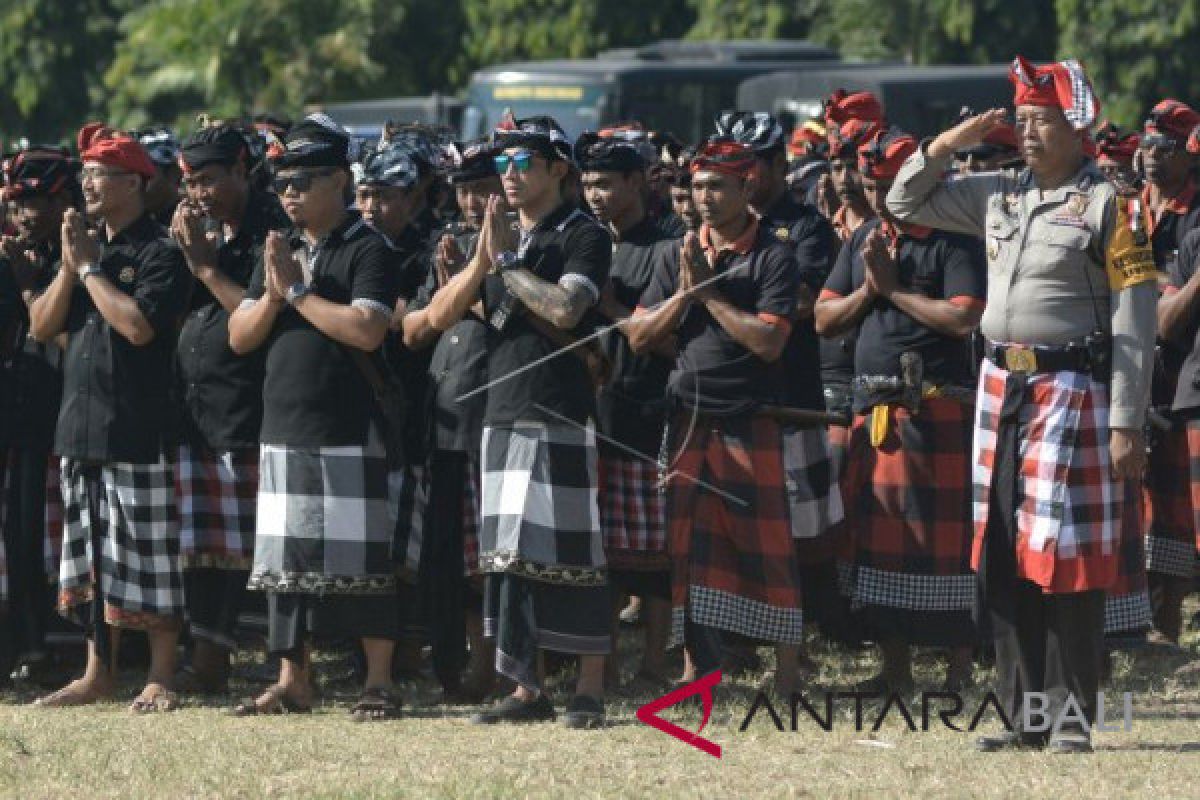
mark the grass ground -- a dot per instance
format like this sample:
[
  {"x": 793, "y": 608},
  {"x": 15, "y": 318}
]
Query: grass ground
[{"x": 104, "y": 751}]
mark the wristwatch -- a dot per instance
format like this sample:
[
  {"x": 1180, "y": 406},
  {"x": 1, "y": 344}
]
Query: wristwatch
[
  {"x": 295, "y": 292},
  {"x": 88, "y": 268},
  {"x": 506, "y": 260}
]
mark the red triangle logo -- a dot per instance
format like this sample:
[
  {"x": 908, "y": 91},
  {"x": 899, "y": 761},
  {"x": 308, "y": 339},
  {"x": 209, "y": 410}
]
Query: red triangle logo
[{"x": 703, "y": 687}]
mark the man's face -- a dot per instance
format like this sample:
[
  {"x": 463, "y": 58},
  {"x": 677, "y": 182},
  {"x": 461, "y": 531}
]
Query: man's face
[
  {"x": 769, "y": 176},
  {"x": 1048, "y": 143},
  {"x": 529, "y": 177},
  {"x": 610, "y": 194},
  {"x": 684, "y": 206},
  {"x": 843, "y": 172},
  {"x": 107, "y": 189},
  {"x": 473, "y": 198},
  {"x": 217, "y": 190},
  {"x": 1166, "y": 162},
  {"x": 386, "y": 208},
  {"x": 38, "y": 218},
  {"x": 310, "y": 195},
  {"x": 162, "y": 191},
  {"x": 720, "y": 198},
  {"x": 875, "y": 192}
]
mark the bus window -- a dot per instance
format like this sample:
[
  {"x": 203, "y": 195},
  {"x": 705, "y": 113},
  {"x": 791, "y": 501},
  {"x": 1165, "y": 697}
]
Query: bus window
[
  {"x": 576, "y": 107},
  {"x": 685, "y": 109}
]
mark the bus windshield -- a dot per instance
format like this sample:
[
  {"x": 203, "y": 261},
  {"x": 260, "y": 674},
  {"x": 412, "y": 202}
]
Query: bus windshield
[{"x": 577, "y": 107}]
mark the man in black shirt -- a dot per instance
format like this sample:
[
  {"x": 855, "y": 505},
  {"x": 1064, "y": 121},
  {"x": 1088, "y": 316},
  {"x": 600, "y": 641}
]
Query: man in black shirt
[
  {"x": 221, "y": 228},
  {"x": 682, "y": 202},
  {"x": 320, "y": 300},
  {"x": 39, "y": 186},
  {"x": 631, "y": 404},
  {"x": 728, "y": 298},
  {"x": 449, "y": 509},
  {"x": 118, "y": 297},
  {"x": 162, "y": 191},
  {"x": 915, "y": 295},
  {"x": 540, "y": 542}
]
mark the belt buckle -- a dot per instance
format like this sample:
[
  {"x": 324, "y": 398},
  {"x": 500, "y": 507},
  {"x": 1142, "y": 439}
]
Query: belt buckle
[{"x": 1020, "y": 359}]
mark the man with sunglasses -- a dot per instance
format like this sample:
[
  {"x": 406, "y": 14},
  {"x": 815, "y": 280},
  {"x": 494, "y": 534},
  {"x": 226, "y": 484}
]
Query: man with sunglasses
[
  {"x": 449, "y": 508},
  {"x": 915, "y": 295},
  {"x": 118, "y": 296},
  {"x": 726, "y": 298},
  {"x": 1063, "y": 388},
  {"x": 540, "y": 542},
  {"x": 630, "y": 405},
  {"x": 221, "y": 226},
  {"x": 320, "y": 303},
  {"x": 39, "y": 186}
]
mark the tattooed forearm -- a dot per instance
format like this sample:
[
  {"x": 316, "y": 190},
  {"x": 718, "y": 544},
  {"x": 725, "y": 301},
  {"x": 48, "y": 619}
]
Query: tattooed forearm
[{"x": 562, "y": 307}]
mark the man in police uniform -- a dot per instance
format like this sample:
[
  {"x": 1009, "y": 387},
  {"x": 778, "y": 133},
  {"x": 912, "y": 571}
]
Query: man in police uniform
[{"x": 1063, "y": 392}]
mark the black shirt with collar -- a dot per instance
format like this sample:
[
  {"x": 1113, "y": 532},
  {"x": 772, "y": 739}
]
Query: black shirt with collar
[
  {"x": 837, "y": 352},
  {"x": 1172, "y": 226},
  {"x": 457, "y": 367},
  {"x": 713, "y": 373},
  {"x": 939, "y": 265},
  {"x": 35, "y": 378},
  {"x": 1187, "y": 388},
  {"x": 115, "y": 405},
  {"x": 631, "y": 406},
  {"x": 220, "y": 391},
  {"x": 797, "y": 374},
  {"x": 313, "y": 393},
  {"x": 525, "y": 368}
]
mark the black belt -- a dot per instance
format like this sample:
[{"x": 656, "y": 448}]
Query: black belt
[{"x": 1023, "y": 358}]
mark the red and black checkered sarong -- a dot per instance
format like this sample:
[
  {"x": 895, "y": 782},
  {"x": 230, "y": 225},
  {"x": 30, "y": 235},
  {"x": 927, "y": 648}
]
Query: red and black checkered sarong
[
  {"x": 1193, "y": 443},
  {"x": 908, "y": 516},
  {"x": 218, "y": 497},
  {"x": 632, "y": 514},
  {"x": 1171, "y": 537},
  {"x": 54, "y": 517},
  {"x": 729, "y": 528},
  {"x": 1127, "y": 602},
  {"x": 470, "y": 523}
]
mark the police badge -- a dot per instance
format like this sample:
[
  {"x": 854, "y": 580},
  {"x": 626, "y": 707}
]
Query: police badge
[
  {"x": 126, "y": 275},
  {"x": 782, "y": 234},
  {"x": 1078, "y": 204}
]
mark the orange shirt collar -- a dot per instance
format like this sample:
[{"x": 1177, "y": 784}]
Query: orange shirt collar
[
  {"x": 893, "y": 232},
  {"x": 1179, "y": 204},
  {"x": 742, "y": 245}
]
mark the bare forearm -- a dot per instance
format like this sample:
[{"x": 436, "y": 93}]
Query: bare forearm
[
  {"x": 418, "y": 333},
  {"x": 1176, "y": 310},
  {"x": 450, "y": 303},
  {"x": 649, "y": 328},
  {"x": 48, "y": 313},
  {"x": 349, "y": 325},
  {"x": 119, "y": 310},
  {"x": 249, "y": 327},
  {"x": 561, "y": 308},
  {"x": 837, "y": 315},
  {"x": 762, "y": 338},
  {"x": 228, "y": 293},
  {"x": 943, "y": 316}
]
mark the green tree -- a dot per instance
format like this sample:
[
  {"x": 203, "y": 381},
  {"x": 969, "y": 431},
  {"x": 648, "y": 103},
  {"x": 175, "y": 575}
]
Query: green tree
[{"x": 749, "y": 19}]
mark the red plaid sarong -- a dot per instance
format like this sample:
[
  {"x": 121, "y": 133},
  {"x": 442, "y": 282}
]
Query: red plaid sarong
[
  {"x": 218, "y": 496},
  {"x": 1171, "y": 535},
  {"x": 54, "y": 517},
  {"x": 839, "y": 448},
  {"x": 1193, "y": 443},
  {"x": 1127, "y": 602},
  {"x": 632, "y": 514},
  {"x": 732, "y": 560},
  {"x": 907, "y": 538},
  {"x": 1068, "y": 506},
  {"x": 471, "y": 517}
]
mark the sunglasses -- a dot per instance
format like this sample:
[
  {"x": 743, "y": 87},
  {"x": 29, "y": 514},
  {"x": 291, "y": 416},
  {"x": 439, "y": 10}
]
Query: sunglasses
[
  {"x": 301, "y": 181},
  {"x": 1157, "y": 141},
  {"x": 522, "y": 160}
]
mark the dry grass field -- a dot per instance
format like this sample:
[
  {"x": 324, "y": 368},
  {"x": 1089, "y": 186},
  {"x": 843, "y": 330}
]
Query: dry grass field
[{"x": 105, "y": 752}]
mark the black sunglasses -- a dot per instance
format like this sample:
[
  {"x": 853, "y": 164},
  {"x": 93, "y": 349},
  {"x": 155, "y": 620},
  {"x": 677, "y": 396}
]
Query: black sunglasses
[{"x": 301, "y": 180}]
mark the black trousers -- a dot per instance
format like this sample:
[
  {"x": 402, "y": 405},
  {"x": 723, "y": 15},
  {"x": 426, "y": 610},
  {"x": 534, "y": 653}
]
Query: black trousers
[
  {"x": 1048, "y": 643},
  {"x": 294, "y": 620},
  {"x": 444, "y": 591},
  {"x": 30, "y": 598},
  {"x": 214, "y": 600}
]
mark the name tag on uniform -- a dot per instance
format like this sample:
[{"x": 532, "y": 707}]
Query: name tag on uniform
[{"x": 1067, "y": 218}]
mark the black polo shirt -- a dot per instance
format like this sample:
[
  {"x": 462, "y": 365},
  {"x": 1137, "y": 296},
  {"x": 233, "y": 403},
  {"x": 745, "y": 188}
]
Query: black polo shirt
[
  {"x": 313, "y": 394},
  {"x": 30, "y": 404},
  {"x": 569, "y": 246},
  {"x": 1180, "y": 216},
  {"x": 1181, "y": 269},
  {"x": 221, "y": 391},
  {"x": 458, "y": 366},
  {"x": 630, "y": 408},
  {"x": 797, "y": 374},
  {"x": 713, "y": 372},
  {"x": 938, "y": 265},
  {"x": 837, "y": 352},
  {"x": 115, "y": 405}
]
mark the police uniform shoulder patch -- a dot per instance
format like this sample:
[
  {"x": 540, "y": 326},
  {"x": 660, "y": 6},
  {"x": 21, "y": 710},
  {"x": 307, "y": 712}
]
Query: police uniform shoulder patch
[
  {"x": 126, "y": 275},
  {"x": 1127, "y": 262}
]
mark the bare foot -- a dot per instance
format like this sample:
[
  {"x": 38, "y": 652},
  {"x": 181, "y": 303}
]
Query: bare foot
[
  {"x": 155, "y": 697},
  {"x": 77, "y": 693}
]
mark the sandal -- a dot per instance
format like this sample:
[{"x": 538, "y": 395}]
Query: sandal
[
  {"x": 159, "y": 699},
  {"x": 277, "y": 702},
  {"x": 375, "y": 705}
]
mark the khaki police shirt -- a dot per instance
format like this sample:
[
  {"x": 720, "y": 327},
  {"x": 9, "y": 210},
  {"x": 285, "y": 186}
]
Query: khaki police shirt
[{"x": 1059, "y": 263}]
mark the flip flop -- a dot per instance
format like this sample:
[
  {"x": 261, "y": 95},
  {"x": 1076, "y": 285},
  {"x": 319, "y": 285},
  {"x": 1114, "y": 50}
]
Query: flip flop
[
  {"x": 162, "y": 700},
  {"x": 375, "y": 705},
  {"x": 278, "y": 703}
]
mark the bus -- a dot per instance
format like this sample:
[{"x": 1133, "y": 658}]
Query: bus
[
  {"x": 672, "y": 86},
  {"x": 921, "y": 100},
  {"x": 364, "y": 120}
]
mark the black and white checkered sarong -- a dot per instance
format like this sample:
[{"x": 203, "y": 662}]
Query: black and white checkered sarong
[
  {"x": 814, "y": 500},
  {"x": 325, "y": 520},
  {"x": 137, "y": 529}
]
